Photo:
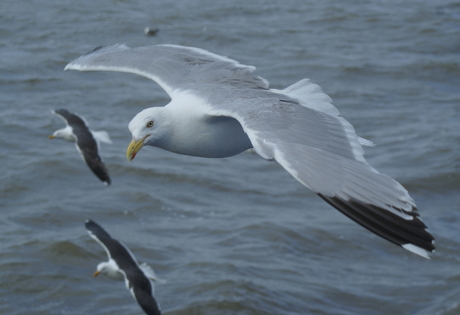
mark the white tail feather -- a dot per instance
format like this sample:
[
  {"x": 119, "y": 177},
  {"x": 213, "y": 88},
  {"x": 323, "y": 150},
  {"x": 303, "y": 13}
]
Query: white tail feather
[
  {"x": 366, "y": 142},
  {"x": 102, "y": 136},
  {"x": 149, "y": 273}
]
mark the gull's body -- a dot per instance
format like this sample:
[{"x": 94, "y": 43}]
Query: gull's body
[
  {"x": 219, "y": 109},
  {"x": 86, "y": 141},
  {"x": 122, "y": 265}
]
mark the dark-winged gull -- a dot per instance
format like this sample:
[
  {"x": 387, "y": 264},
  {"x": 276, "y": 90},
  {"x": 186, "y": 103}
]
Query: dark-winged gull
[
  {"x": 123, "y": 265},
  {"x": 219, "y": 109},
  {"x": 86, "y": 141},
  {"x": 151, "y": 31}
]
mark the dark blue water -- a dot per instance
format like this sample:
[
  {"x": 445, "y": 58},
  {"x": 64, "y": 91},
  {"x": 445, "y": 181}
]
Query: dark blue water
[{"x": 236, "y": 235}]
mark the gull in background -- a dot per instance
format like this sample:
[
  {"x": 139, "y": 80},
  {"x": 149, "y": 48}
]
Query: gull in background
[
  {"x": 86, "y": 141},
  {"x": 122, "y": 265}
]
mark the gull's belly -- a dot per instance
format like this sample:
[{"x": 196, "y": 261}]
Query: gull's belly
[{"x": 213, "y": 137}]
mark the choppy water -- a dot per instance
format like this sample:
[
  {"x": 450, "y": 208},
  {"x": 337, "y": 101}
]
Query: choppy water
[{"x": 236, "y": 235}]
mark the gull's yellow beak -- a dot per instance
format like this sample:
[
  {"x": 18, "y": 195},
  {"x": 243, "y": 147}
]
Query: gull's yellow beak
[
  {"x": 97, "y": 273},
  {"x": 134, "y": 147},
  {"x": 51, "y": 137}
]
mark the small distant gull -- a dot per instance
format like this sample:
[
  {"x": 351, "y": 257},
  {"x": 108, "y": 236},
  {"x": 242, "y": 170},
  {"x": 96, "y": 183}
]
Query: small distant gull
[
  {"x": 86, "y": 141},
  {"x": 219, "y": 109},
  {"x": 151, "y": 31},
  {"x": 122, "y": 265}
]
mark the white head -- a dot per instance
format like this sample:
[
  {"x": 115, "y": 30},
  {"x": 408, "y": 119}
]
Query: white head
[
  {"x": 109, "y": 269},
  {"x": 149, "y": 127},
  {"x": 64, "y": 133}
]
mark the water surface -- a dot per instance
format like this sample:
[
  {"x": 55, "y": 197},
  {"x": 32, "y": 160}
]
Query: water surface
[{"x": 236, "y": 235}]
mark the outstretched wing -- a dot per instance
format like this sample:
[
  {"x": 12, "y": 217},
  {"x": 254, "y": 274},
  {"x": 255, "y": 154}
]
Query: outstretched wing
[
  {"x": 70, "y": 119},
  {"x": 114, "y": 248},
  {"x": 146, "y": 301},
  {"x": 174, "y": 68},
  {"x": 298, "y": 126},
  {"x": 93, "y": 160},
  {"x": 88, "y": 147},
  {"x": 308, "y": 137}
]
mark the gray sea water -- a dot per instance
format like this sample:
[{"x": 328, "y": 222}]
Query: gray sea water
[{"x": 236, "y": 235}]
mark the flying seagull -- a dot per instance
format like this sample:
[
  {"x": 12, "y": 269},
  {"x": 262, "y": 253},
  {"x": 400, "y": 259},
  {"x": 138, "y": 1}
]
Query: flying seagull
[
  {"x": 219, "y": 109},
  {"x": 86, "y": 141},
  {"x": 122, "y": 265}
]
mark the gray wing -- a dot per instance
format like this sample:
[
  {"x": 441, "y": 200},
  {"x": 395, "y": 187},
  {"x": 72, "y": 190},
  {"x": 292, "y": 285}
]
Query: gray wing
[
  {"x": 298, "y": 126},
  {"x": 174, "y": 68}
]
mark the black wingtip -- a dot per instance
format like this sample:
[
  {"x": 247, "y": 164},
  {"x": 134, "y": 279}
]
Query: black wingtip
[
  {"x": 96, "y": 229},
  {"x": 94, "y": 49},
  {"x": 89, "y": 223},
  {"x": 61, "y": 111},
  {"x": 97, "y": 167},
  {"x": 93, "y": 226},
  {"x": 409, "y": 234},
  {"x": 146, "y": 301}
]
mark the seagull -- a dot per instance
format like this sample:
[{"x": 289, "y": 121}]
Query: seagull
[
  {"x": 219, "y": 109},
  {"x": 151, "y": 31},
  {"x": 86, "y": 141},
  {"x": 122, "y": 265}
]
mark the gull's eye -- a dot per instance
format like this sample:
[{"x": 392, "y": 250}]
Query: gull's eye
[{"x": 150, "y": 124}]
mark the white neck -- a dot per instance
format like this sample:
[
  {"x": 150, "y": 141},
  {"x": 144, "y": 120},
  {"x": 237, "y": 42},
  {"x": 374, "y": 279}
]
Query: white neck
[{"x": 111, "y": 270}]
